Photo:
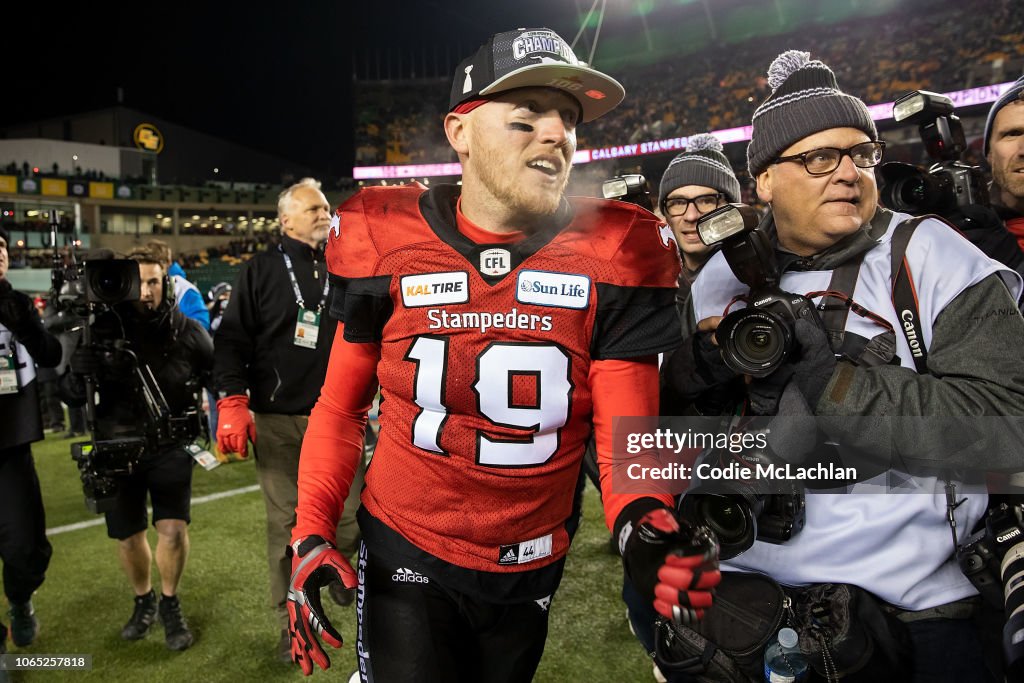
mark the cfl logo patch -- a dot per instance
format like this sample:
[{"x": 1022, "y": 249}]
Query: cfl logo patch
[{"x": 495, "y": 261}]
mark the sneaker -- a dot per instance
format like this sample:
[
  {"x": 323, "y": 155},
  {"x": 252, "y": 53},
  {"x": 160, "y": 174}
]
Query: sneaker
[
  {"x": 24, "y": 625},
  {"x": 143, "y": 617},
  {"x": 284, "y": 647},
  {"x": 176, "y": 631},
  {"x": 341, "y": 596}
]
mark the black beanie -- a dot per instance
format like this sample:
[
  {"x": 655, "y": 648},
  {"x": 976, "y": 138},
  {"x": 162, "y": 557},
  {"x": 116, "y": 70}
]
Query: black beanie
[
  {"x": 805, "y": 100},
  {"x": 703, "y": 163}
]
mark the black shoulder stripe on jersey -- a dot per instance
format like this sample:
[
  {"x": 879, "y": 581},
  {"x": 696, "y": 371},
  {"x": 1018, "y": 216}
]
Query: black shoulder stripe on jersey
[
  {"x": 437, "y": 206},
  {"x": 363, "y": 304},
  {"x": 634, "y": 321}
]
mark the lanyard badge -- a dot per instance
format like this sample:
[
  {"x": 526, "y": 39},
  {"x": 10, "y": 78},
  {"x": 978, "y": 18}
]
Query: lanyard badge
[
  {"x": 8, "y": 375},
  {"x": 307, "y": 328}
]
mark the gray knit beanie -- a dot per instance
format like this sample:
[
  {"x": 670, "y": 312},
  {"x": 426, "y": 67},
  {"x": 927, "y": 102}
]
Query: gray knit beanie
[
  {"x": 1014, "y": 92},
  {"x": 703, "y": 163},
  {"x": 805, "y": 100}
]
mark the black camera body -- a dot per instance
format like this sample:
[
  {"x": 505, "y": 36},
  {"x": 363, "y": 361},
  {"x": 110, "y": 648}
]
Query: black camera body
[
  {"x": 741, "y": 511},
  {"x": 632, "y": 188},
  {"x": 83, "y": 286},
  {"x": 949, "y": 184},
  {"x": 755, "y": 340},
  {"x": 101, "y": 466},
  {"x": 981, "y": 554},
  {"x": 993, "y": 560}
]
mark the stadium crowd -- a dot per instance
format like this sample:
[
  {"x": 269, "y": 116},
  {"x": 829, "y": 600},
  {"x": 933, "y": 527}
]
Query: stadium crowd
[{"x": 942, "y": 49}]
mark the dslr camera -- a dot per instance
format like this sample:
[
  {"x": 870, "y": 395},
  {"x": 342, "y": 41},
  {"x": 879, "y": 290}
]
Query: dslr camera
[
  {"x": 757, "y": 339},
  {"x": 740, "y": 511},
  {"x": 632, "y": 188},
  {"x": 993, "y": 560},
  {"x": 949, "y": 184}
]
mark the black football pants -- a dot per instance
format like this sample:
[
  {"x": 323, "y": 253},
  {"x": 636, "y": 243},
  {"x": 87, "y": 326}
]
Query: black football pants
[
  {"x": 414, "y": 630},
  {"x": 24, "y": 548}
]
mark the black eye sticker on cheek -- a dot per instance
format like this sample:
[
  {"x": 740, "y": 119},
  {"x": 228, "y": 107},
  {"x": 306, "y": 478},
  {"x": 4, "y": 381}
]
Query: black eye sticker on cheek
[{"x": 522, "y": 127}]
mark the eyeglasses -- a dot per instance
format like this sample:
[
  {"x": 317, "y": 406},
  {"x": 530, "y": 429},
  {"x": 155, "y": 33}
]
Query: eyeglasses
[
  {"x": 677, "y": 206},
  {"x": 825, "y": 160}
]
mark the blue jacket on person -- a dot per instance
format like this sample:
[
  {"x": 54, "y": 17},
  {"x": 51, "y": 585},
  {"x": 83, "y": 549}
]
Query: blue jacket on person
[{"x": 188, "y": 298}]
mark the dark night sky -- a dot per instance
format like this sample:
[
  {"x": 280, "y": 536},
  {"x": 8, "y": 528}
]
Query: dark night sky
[{"x": 275, "y": 77}]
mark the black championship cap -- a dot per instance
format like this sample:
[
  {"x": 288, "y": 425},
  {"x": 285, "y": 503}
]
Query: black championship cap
[{"x": 534, "y": 57}]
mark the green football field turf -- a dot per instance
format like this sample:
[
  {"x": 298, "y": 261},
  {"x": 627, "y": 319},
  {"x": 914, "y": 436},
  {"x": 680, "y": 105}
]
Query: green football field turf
[{"x": 86, "y": 598}]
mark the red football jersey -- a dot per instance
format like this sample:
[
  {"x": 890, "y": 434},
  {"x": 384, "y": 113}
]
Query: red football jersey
[{"x": 485, "y": 354}]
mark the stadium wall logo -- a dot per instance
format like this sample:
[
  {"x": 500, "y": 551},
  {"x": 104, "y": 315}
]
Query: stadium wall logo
[
  {"x": 541, "y": 42},
  {"x": 495, "y": 261},
  {"x": 560, "y": 290},
  {"x": 434, "y": 289}
]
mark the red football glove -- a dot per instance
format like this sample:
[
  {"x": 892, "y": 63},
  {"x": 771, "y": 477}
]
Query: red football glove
[
  {"x": 673, "y": 565},
  {"x": 234, "y": 425},
  {"x": 315, "y": 563}
]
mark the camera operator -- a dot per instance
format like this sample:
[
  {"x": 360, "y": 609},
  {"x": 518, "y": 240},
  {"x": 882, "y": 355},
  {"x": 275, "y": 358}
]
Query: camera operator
[
  {"x": 179, "y": 354},
  {"x": 1004, "y": 149},
  {"x": 24, "y": 549},
  {"x": 813, "y": 151}
]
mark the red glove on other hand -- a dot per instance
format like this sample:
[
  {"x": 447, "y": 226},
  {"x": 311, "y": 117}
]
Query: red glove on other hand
[{"x": 234, "y": 425}]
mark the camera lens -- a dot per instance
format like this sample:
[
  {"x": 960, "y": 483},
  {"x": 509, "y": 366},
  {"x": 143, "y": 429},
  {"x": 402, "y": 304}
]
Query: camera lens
[
  {"x": 109, "y": 284},
  {"x": 754, "y": 341},
  {"x": 730, "y": 517},
  {"x": 1012, "y": 572},
  {"x": 723, "y": 516}
]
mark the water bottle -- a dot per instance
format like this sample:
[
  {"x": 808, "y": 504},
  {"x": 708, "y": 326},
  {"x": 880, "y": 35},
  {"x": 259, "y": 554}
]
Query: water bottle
[{"x": 783, "y": 660}]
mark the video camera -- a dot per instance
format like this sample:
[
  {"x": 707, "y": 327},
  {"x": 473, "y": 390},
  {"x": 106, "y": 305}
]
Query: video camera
[
  {"x": 993, "y": 560},
  {"x": 109, "y": 457},
  {"x": 949, "y": 184},
  {"x": 632, "y": 188},
  {"x": 81, "y": 288},
  {"x": 754, "y": 340}
]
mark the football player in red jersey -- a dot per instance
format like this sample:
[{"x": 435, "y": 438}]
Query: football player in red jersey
[{"x": 503, "y": 323}]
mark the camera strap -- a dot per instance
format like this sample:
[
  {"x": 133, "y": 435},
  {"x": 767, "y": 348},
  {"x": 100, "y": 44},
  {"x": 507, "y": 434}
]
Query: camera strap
[
  {"x": 904, "y": 296},
  {"x": 837, "y": 302}
]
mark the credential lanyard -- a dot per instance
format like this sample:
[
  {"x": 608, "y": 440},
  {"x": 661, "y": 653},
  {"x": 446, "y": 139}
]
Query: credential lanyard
[{"x": 295, "y": 284}]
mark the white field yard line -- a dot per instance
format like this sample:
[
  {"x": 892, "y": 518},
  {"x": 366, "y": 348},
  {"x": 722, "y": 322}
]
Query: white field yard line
[{"x": 195, "y": 501}]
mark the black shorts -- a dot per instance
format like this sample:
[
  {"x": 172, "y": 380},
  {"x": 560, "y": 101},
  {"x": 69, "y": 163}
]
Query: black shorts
[
  {"x": 167, "y": 478},
  {"x": 424, "y": 632}
]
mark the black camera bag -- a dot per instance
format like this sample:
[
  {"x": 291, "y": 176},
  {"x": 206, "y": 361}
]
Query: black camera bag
[
  {"x": 728, "y": 644},
  {"x": 843, "y": 631}
]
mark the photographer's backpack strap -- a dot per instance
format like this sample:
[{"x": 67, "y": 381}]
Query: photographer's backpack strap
[
  {"x": 904, "y": 296},
  {"x": 835, "y": 310}
]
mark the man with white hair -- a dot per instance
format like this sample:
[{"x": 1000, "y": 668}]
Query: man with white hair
[{"x": 270, "y": 356}]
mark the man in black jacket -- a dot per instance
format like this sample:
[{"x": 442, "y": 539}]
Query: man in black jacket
[
  {"x": 271, "y": 355},
  {"x": 23, "y": 546},
  {"x": 152, "y": 336}
]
